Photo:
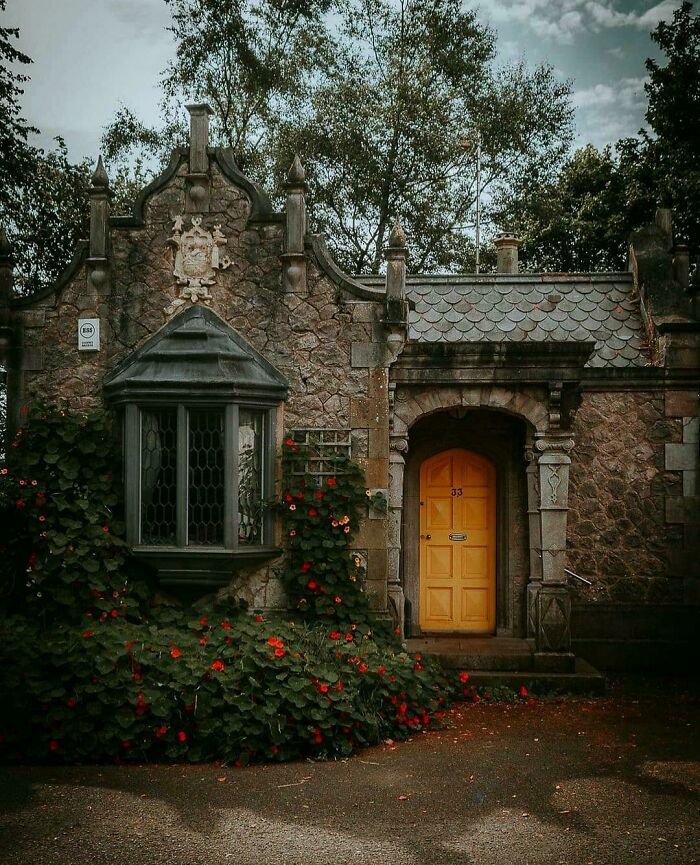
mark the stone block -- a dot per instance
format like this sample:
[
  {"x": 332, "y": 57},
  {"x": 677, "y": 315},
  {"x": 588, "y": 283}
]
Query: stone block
[
  {"x": 362, "y": 311},
  {"x": 685, "y": 510},
  {"x": 691, "y": 483},
  {"x": 33, "y": 317},
  {"x": 32, "y": 358},
  {"x": 376, "y": 592},
  {"x": 359, "y": 412},
  {"x": 372, "y": 534},
  {"x": 377, "y": 561},
  {"x": 681, "y": 457},
  {"x": 377, "y": 384},
  {"x": 379, "y": 443},
  {"x": 682, "y": 403},
  {"x": 691, "y": 429},
  {"x": 377, "y": 472},
  {"x": 365, "y": 355}
]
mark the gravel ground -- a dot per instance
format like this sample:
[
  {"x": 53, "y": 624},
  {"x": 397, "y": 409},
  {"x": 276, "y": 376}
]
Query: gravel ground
[{"x": 576, "y": 780}]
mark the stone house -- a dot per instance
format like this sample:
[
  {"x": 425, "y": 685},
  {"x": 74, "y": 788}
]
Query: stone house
[{"x": 536, "y": 435}]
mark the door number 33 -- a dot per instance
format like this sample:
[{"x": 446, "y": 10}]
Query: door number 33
[{"x": 456, "y": 491}]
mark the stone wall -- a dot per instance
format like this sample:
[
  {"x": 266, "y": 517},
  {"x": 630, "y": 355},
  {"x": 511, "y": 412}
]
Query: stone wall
[
  {"x": 308, "y": 336},
  {"x": 617, "y": 535}
]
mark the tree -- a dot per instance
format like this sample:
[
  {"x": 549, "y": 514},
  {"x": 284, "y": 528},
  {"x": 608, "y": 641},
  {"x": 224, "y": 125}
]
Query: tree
[
  {"x": 581, "y": 220},
  {"x": 376, "y": 106},
  {"x": 673, "y": 114},
  {"x": 15, "y": 151}
]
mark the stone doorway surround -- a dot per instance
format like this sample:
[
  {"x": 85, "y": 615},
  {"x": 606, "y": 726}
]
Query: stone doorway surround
[{"x": 529, "y": 439}]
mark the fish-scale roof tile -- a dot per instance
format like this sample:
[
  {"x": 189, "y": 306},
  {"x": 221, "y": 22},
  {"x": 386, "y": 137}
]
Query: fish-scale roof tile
[{"x": 531, "y": 309}]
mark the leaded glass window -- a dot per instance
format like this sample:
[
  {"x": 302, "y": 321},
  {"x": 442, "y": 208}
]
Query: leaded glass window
[
  {"x": 203, "y": 475},
  {"x": 250, "y": 475}
]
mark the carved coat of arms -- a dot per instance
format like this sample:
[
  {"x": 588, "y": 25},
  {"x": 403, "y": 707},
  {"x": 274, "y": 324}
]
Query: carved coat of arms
[{"x": 197, "y": 259}]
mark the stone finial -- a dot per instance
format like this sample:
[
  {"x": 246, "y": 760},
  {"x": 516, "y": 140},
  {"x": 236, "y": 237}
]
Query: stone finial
[
  {"x": 296, "y": 176},
  {"x": 396, "y": 255},
  {"x": 294, "y": 259},
  {"x": 506, "y": 244},
  {"x": 397, "y": 238},
  {"x": 100, "y": 180}
]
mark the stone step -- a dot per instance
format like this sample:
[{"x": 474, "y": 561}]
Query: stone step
[
  {"x": 584, "y": 680},
  {"x": 476, "y": 653}
]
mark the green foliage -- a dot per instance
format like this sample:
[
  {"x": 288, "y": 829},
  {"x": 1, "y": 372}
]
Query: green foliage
[
  {"x": 320, "y": 517},
  {"x": 376, "y": 98},
  {"x": 61, "y": 532},
  {"x": 673, "y": 113},
  {"x": 217, "y": 685}
]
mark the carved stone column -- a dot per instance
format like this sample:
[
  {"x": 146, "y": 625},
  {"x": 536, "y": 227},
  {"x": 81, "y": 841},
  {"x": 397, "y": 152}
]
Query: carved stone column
[
  {"x": 398, "y": 447},
  {"x": 535, "y": 537},
  {"x": 553, "y": 608}
]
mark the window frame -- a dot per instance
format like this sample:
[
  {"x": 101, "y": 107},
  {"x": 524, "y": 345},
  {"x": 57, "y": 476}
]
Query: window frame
[{"x": 133, "y": 452}]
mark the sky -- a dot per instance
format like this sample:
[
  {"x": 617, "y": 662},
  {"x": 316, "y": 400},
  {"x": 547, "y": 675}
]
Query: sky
[{"x": 90, "y": 56}]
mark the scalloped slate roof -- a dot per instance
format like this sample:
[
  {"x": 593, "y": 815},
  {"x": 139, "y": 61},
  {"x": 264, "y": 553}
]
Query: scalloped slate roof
[{"x": 531, "y": 308}]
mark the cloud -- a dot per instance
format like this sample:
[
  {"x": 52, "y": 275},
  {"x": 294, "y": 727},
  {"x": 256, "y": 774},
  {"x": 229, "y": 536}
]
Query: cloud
[
  {"x": 561, "y": 20},
  {"x": 142, "y": 19},
  {"x": 606, "y": 112}
]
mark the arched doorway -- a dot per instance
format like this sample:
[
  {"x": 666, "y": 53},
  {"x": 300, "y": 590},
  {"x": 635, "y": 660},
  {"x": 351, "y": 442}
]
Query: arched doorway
[{"x": 458, "y": 543}]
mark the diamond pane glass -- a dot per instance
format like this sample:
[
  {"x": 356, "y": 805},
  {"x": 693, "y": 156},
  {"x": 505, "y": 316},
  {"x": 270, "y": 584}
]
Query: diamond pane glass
[
  {"x": 158, "y": 476},
  {"x": 250, "y": 476},
  {"x": 205, "y": 508}
]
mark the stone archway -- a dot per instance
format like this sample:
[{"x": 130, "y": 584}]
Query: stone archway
[{"x": 501, "y": 439}]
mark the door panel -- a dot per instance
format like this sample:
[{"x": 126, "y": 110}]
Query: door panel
[{"x": 458, "y": 543}]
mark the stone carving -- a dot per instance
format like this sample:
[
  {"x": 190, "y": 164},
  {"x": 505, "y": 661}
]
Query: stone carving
[
  {"x": 197, "y": 260},
  {"x": 554, "y": 444},
  {"x": 554, "y": 481},
  {"x": 398, "y": 444}
]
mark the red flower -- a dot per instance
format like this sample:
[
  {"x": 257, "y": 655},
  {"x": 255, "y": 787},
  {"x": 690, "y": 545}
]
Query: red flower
[
  {"x": 463, "y": 677},
  {"x": 312, "y": 585},
  {"x": 175, "y": 653},
  {"x": 337, "y": 599},
  {"x": 203, "y": 641},
  {"x": 523, "y": 691},
  {"x": 182, "y": 736},
  {"x": 161, "y": 731},
  {"x": 42, "y": 518},
  {"x": 363, "y": 668},
  {"x": 203, "y": 620},
  {"x": 418, "y": 667},
  {"x": 305, "y": 567},
  {"x": 53, "y": 745},
  {"x": 331, "y": 482},
  {"x": 349, "y": 638},
  {"x": 19, "y": 504},
  {"x": 318, "y": 494},
  {"x": 279, "y": 653},
  {"x": 289, "y": 497},
  {"x": 258, "y": 618},
  {"x": 226, "y": 625},
  {"x": 105, "y": 529},
  {"x": 189, "y": 707},
  {"x": 313, "y": 512},
  {"x": 323, "y": 688},
  {"x": 71, "y": 702},
  {"x": 218, "y": 666},
  {"x": 289, "y": 443},
  {"x": 334, "y": 635},
  {"x": 381, "y": 669},
  {"x": 126, "y": 744},
  {"x": 87, "y": 634},
  {"x": 114, "y": 613},
  {"x": 275, "y": 641}
]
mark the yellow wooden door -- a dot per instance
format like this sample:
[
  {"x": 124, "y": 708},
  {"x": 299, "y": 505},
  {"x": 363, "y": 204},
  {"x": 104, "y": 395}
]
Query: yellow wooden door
[{"x": 458, "y": 543}]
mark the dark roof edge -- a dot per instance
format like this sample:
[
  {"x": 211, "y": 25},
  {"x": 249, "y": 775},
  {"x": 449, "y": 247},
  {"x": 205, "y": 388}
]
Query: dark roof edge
[
  {"x": 460, "y": 278},
  {"x": 68, "y": 272},
  {"x": 317, "y": 244}
]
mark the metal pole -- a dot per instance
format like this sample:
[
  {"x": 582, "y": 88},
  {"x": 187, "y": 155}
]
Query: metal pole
[{"x": 478, "y": 196}]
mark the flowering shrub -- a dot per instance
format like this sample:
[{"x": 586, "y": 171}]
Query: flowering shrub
[
  {"x": 222, "y": 685},
  {"x": 320, "y": 518},
  {"x": 61, "y": 536}
]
